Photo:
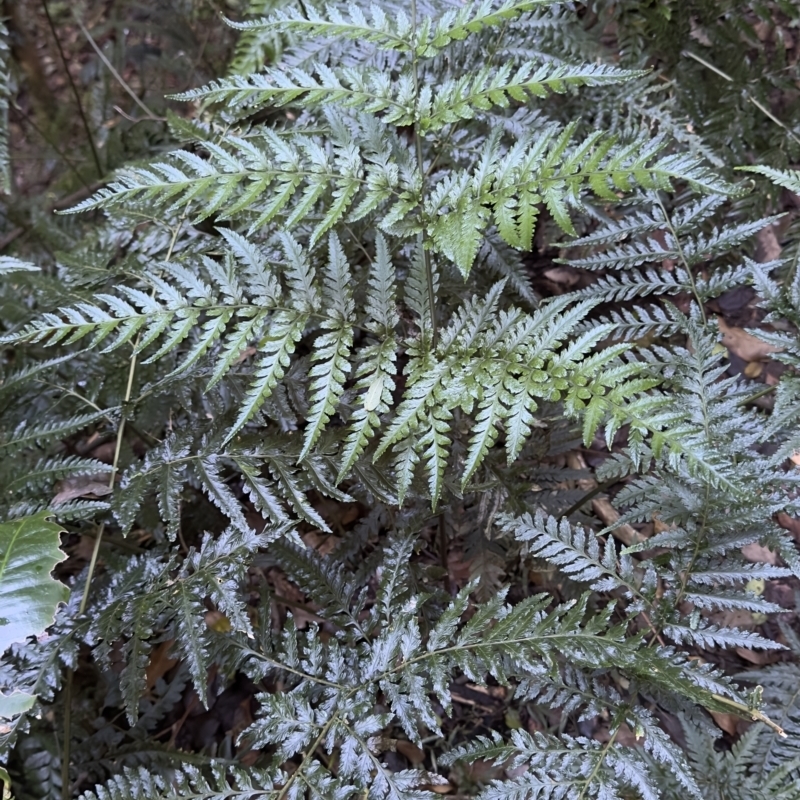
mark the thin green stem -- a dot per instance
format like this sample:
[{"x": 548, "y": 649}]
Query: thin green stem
[
  {"x": 298, "y": 772},
  {"x": 755, "y": 714},
  {"x": 71, "y": 393},
  {"x": 608, "y": 746},
  {"x": 684, "y": 261},
  {"x": 111, "y": 480},
  {"x": 65, "y": 793},
  {"x": 421, "y": 167},
  {"x": 65, "y": 754},
  {"x": 761, "y": 393}
]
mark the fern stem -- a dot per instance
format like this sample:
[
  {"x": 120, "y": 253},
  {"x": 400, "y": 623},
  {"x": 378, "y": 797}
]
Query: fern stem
[
  {"x": 755, "y": 714},
  {"x": 96, "y": 549},
  {"x": 656, "y": 635},
  {"x": 685, "y": 263},
  {"x": 303, "y": 675},
  {"x": 307, "y": 757},
  {"x": 111, "y": 481},
  {"x": 761, "y": 393},
  {"x": 603, "y": 753},
  {"x": 421, "y": 166},
  {"x": 71, "y": 393},
  {"x": 65, "y": 758},
  {"x": 588, "y": 496}
]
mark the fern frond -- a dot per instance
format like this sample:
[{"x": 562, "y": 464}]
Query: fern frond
[
  {"x": 228, "y": 181},
  {"x": 376, "y": 373},
  {"x": 788, "y": 178},
  {"x": 371, "y": 91},
  {"x": 559, "y": 767},
  {"x": 275, "y": 349},
  {"x": 331, "y": 349},
  {"x": 546, "y": 170},
  {"x": 9, "y": 264},
  {"x": 383, "y": 31},
  {"x": 256, "y": 48},
  {"x": 48, "y": 470},
  {"x": 709, "y": 635},
  {"x": 462, "y": 99},
  {"x": 455, "y": 26},
  {"x": 577, "y": 553},
  {"x": 225, "y": 784},
  {"x": 33, "y": 434}
]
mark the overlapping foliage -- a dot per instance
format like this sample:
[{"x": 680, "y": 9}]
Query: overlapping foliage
[{"x": 322, "y": 300}]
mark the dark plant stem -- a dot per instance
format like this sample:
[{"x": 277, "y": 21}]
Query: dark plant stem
[
  {"x": 84, "y": 120},
  {"x": 65, "y": 749},
  {"x": 599, "y": 489}
]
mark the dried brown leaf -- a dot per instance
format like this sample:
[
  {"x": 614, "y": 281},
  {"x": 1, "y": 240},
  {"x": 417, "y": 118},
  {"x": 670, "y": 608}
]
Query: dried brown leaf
[
  {"x": 81, "y": 486},
  {"x": 413, "y": 753},
  {"x": 742, "y": 343}
]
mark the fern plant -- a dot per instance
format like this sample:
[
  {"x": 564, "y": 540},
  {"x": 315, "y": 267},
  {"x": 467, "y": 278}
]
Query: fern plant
[{"x": 322, "y": 301}]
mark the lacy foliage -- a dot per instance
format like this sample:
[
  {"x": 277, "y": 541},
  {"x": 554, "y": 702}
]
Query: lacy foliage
[{"x": 321, "y": 300}]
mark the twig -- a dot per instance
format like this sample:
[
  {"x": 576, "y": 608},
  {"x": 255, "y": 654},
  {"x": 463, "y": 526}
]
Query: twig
[
  {"x": 763, "y": 109},
  {"x": 137, "y": 120},
  {"x": 75, "y": 92},
  {"x": 113, "y": 71},
  {"x": 760, "y": 393},
  {"x": 587, "y": 497}
]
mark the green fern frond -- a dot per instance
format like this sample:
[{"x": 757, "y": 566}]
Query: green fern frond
[
  {"x": 455, "y": 26},
  {"x": 462, "y": 99},
  {"x": 48, "y": 470},
  {"x": 188, "y": 782},
  {"x": 231, "y": 178},
  {"x": 372, "y": 92},
  {"x": 390, "y": 34},
  {"x": 255, "y": 48},
  {"x": 352, "y": 385},
  {"x": 29, "y": 435},
  {"x": 331, "y": 349},
  {"x": 789, "y": 179},
  {"x": 274, "y": 350}
]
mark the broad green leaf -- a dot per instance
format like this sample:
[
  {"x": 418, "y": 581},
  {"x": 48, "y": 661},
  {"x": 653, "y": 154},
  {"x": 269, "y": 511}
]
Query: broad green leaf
[
  {"x": 14, "y": 704},
  {"x": 29, "y": 595},
  {"x": 4, "y": 776}
]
